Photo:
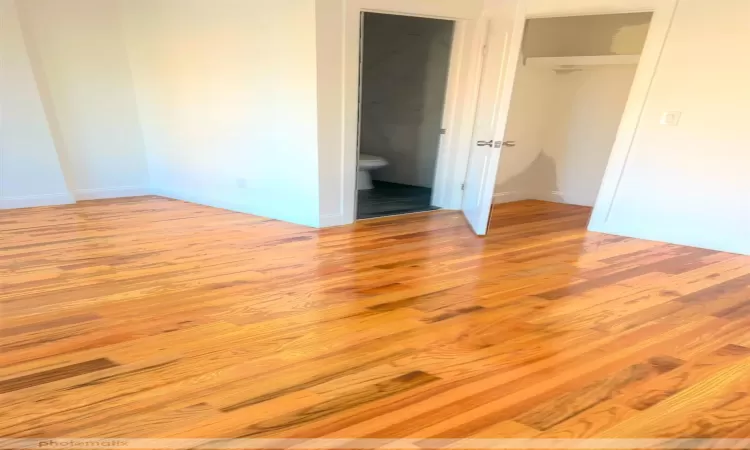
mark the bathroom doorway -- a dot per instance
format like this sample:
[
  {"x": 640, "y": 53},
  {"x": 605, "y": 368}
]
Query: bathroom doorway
[{"x": 403, "y": 78}]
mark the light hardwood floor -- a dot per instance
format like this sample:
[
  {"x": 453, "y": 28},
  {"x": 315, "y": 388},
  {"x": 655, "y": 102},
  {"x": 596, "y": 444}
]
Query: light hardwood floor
[{"x": 149, "y": 317}]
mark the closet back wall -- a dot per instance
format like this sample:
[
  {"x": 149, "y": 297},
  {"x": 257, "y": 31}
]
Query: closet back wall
[
  {"x": 565, "y": 125},
  {"x": 590, "y": 105}
]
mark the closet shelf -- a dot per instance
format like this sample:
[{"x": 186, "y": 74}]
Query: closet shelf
[{"x": 569, "y": 62}]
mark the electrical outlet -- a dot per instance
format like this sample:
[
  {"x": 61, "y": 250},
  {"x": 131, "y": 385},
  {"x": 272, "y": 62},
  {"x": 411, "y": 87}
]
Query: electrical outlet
[
  {"x": 670, "y": 118},
  {"x": 241, "y": 183}
]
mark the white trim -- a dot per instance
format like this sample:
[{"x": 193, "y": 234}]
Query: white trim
[
  {"x": 516, "y": 196},
  {"x": 663, "y": 13},
  {"x": 510, "y": 196},
  {"x": 32, "y": 201},
  {"x": 460, "y": 141},
  {"x": 661, "y": 23},
  {"x": 115, "y": 192},
  {"x": 454, "y": 143},
  {"x": 332, "y": 220},
  {"x": 549, "y": 196},
  {"x": 205, "y": 200},
  {"x": 458, "y": 138},
  {"x": 200, "y": 199},
  {"x": 442, "y": 193},
  {"x": 634, "y": 228}
]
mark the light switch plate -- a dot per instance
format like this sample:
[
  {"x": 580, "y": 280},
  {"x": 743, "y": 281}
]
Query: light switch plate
[{"x": 670, "y": 118}]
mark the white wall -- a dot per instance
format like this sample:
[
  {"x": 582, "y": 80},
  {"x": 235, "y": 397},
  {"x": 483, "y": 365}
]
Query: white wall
[
  {"x": 689, "y": 183},
  {"x": 579, "y": 140},
  {"x": 564, "y": 125},
  {"x": 30, "y": 173},
  {"x": 338, "y": 116},
  {"x": 404, "y": 74},
  {"x": 227, "y": 94},
  {"x": 329, "y": 17},
  {"x": 207, "y": 128},
  {"x": 522, "y": 168},
  {"x": 78, "y": 54}
]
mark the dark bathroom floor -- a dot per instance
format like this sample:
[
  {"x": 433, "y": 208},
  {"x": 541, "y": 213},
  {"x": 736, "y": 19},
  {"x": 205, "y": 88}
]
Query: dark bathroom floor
[{"x": 387, "y": 199}]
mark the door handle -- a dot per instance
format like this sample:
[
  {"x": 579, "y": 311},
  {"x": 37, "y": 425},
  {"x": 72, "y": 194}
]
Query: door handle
[
  {"x": 499, "y": 144},
  {"x": 484, "y": 143}
]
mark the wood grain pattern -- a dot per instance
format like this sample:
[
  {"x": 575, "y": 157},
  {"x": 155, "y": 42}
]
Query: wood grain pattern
[
  {"x": 150, "y": 317},
  {"x": 59, "y": 373},
  {"x": 572, "y": 403}
]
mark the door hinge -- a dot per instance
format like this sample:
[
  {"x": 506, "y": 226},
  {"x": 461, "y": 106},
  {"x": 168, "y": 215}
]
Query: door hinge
[{"x": 463, "y": 185}]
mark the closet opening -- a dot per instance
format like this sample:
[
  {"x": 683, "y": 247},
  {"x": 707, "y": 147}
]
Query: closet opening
[{"x": 572, "y": 84}]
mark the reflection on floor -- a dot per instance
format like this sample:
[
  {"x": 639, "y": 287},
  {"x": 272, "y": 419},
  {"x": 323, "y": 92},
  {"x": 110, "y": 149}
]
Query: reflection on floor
[
  {"x": 388, "y": 199},
  {"x": 151, "y": 317},
  {"x": 516, "y": 213}
]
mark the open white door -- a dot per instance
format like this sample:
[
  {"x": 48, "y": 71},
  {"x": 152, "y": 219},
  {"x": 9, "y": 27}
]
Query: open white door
[{"x": 506, "y": 20}]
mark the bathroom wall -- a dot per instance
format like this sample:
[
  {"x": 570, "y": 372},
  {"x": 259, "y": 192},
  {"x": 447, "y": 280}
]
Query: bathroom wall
[
  {"x": 564, "y": 125},
  {"x": 405, "y": 69}
]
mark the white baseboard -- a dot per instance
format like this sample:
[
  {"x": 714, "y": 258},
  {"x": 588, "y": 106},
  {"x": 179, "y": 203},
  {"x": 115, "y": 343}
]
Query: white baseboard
[
  {"x": 199, "y": 199},
  {"x": 515, "y": 196},
  {"x": 115, "y": 192},
  {"x": 332, "y": 220},
  {"x": 730, "y": 242},
  {"x": 511, "y": 196},
  {"x": 550, "y": 196},
  {"x": 31, "y": 201},
  {"x": 214, "y": 202}
]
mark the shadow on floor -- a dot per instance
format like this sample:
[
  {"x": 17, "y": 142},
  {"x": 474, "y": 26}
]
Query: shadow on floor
[{"x": 387, "y": 199}]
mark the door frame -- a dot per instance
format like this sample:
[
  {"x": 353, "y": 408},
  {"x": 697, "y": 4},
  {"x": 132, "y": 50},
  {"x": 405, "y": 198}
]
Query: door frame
[
  {"x": 463, "y": 84},
  {"x": 661, "y": 22},
  {"x": 460, "y": 93}
]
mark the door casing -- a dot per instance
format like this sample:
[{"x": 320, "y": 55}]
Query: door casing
[
  {"x": 463, "y": 84},
  {"x": 663, "y": 13},
  {"x": 454, "y": 144}
]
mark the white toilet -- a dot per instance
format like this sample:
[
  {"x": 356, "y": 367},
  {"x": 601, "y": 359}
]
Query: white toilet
[{"x": 366, "y": 164}]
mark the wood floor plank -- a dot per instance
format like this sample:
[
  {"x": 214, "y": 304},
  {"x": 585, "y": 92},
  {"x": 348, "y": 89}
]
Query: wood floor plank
[
  {"x": 151, "y": 317},
  {"x": 546, "y": 415},
  {"x": 711, "y": 408},
  {"x": 60, "y": 373},
  {"x": 670, "y": 384}
]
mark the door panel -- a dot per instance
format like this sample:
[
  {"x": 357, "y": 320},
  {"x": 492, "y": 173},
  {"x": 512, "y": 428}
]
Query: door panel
[{"x": 499, "y": 61}]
